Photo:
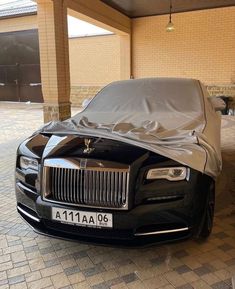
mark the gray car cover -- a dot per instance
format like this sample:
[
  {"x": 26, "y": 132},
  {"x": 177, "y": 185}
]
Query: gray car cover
[{"x": 169, "y": 116}]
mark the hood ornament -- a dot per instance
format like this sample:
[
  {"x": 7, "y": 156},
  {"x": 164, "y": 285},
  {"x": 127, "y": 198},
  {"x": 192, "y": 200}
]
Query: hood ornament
[{"x": 88, "y": 148}]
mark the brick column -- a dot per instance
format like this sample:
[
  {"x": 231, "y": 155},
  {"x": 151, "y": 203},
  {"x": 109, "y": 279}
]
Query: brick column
[
  {"x": 125, "y": 56},
  {"x": 54, "y": 58}
]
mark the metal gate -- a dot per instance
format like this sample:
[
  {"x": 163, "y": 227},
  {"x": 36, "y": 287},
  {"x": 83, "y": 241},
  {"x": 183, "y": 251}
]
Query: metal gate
[
  {"x": 20, "y": 78},
  {"x": 20, "y": 82}
]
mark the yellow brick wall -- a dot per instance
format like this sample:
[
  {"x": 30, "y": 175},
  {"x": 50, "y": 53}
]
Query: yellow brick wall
[
  {"x": 18, "y": 23},
  {"x": 94, "y": 60},
  {"x": 202, "y": 46}
]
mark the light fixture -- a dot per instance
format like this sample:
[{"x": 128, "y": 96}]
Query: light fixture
[{"x": 170, "y": 26}]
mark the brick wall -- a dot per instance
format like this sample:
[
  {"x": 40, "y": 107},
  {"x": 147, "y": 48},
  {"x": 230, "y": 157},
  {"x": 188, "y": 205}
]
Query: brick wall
[
  {"x": 94, "y": 60},
  {"x": 202, "y": 46},
  {"x": 18, "y": 23},
  {"x": 81, "y": 92}
]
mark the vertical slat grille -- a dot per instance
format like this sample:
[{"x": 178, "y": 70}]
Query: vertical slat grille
[{"x": 90, "y": 187}]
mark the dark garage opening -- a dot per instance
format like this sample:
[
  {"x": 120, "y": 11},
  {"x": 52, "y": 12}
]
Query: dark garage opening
[{"x": 20, "y": 78}]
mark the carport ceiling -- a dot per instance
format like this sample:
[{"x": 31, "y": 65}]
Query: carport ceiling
[{"x": 139, "y": 8}]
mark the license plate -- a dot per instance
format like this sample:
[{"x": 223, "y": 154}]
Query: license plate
[{"x": 83, "y": 218}]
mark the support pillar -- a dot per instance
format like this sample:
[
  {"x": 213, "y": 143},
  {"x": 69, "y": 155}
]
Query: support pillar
[
  {"x": 54, "y": 58},
  {"x": 98, "y": 13},
  {"x": 125, "y": 56}
]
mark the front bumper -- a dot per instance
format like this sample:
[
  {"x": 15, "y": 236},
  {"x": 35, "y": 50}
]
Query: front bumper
[{"x": 147, "y": 223}]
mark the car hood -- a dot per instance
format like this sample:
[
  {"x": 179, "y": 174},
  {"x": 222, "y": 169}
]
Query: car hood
[{"x": 74, "y": 146}]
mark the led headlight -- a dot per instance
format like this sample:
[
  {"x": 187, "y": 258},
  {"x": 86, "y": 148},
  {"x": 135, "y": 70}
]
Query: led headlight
[
  {"x": 170, "y": 174},
  {"x": 28, "y": 163}
]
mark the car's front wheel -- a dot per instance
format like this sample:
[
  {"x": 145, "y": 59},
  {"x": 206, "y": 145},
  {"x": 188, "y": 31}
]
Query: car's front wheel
[{"x": 207, "y": 220}]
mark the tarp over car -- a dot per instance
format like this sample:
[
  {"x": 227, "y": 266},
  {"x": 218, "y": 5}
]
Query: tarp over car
[{"x": 169, "y": 116}]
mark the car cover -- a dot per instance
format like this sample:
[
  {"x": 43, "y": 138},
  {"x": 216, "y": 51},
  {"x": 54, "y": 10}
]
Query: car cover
[{"x": 168, "y": 116}]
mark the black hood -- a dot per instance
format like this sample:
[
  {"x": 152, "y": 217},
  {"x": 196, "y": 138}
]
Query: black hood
[{"x": 43, "y": 146}]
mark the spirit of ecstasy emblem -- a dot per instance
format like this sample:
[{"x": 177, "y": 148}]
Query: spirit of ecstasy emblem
[{"x": 88, "y": 148}]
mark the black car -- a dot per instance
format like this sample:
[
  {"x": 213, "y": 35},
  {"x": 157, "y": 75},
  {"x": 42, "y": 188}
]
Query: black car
[{"x": 138, "y": 163}]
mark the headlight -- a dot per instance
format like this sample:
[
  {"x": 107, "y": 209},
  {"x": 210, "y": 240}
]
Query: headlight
[
  {"x": 28, "y": 163},
  {"x": 170, "y": 174}
]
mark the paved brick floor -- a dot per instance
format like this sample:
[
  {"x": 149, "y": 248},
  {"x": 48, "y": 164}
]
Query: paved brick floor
[{"x": 31, "y": 261}]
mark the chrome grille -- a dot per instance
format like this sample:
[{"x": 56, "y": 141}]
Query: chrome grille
[{"x": 86, "y": 183}]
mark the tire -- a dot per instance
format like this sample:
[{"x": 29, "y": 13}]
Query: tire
[{"x": 207, "y": 220}]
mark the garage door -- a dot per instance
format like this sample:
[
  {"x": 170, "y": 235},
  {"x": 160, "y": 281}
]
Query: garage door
[
  {"x": 20, "y": 82},
  {"x": 20, "y": 78}
]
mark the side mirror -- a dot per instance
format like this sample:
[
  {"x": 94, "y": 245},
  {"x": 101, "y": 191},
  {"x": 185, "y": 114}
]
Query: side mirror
[
  {"x": 86, "y": 102},
  {"x": 218, "y": 103}
]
